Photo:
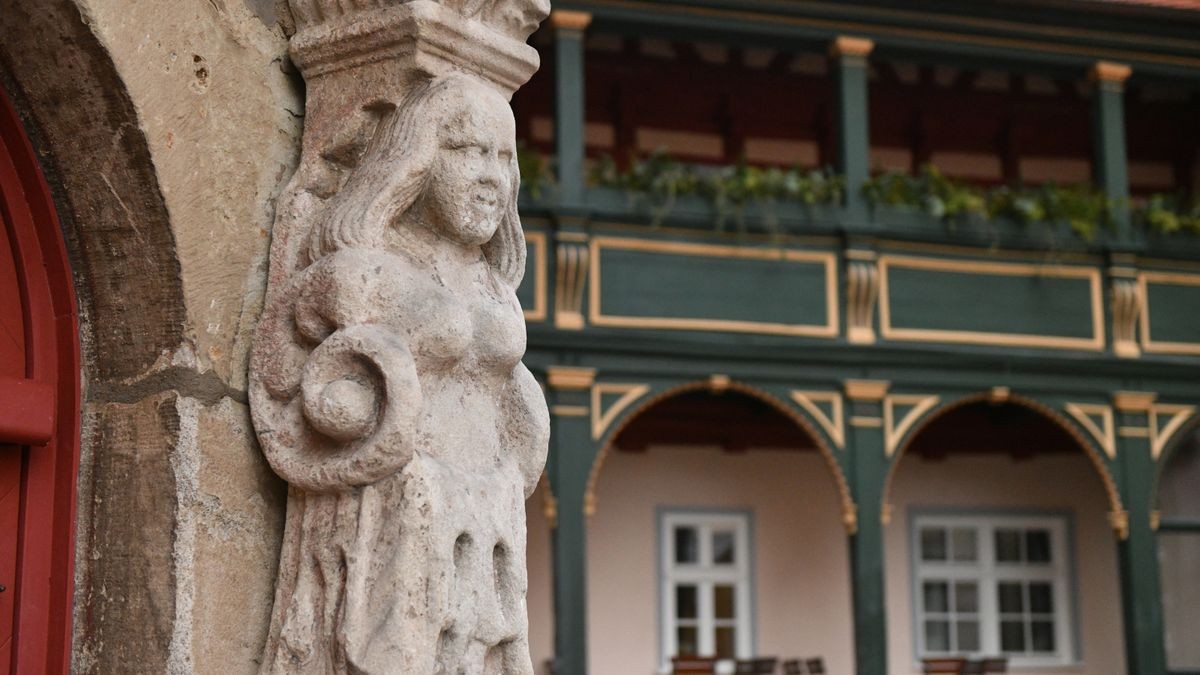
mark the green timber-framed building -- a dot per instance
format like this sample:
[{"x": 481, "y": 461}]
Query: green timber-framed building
[{"x": 973, "y": 402}]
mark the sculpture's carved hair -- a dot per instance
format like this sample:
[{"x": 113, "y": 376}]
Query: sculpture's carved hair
[{"x": 395, "y": 170}]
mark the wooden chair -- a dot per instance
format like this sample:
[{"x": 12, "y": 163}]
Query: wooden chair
[
  {"x": 994, "y": 666},
  {"x": 947, "y": 665},
  {"x": 764, "y": 666},
  {"x": 816, "y": 666},
  {"x": 793, "y": 667},
  {"x": 695, "y": 665}
]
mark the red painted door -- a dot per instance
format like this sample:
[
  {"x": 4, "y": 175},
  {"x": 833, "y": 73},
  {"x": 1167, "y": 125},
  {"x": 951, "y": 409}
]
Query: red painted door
[
  {"x": 12, "y": 367},
  {"x": 39, "y": 415}
]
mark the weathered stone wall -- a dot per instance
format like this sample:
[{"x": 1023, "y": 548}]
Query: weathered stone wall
[{"x": 167, "y": 128}]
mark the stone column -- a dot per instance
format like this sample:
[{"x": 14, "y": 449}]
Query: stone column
[
  {"x": 869, "y": 465},
  {"x": 1108, "y": 141},
  {"x": 848, "y": 56},
  {"x": 386, "y": 383}
]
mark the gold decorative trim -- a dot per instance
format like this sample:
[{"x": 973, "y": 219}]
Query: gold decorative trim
[
  {"x": 1134, "y": 401},
  {"x": 854, "y": 47},
  {"x": 833, "y": 423},
  {"x": 570, "y": 378},
  {"x": 828, "y": 259},
  {"x": 1155, "y": 520},
  {"x": 570, "y": 277},
  {"x": 866, "y": 390},
  {"x": 1107, "y": 71},
  {"x": 850, "y": 518},
  {"x": 566, "y": 19},
  {"x": 1119, "y": 520},
  {"x": 862, "y": 293},
  {"x": 981, "y": 267},
  {"x": 538, "y": 312},
  {"x": 1149, "y": 345},
  {"x": 550, "y": 509},
  {"x": 885, "y": 513},
  {"x": 866, "y": 422},
  {"x": 1104, "y": 432},
  {"x": 718, "y": 384},
  {"x": 1176, "y": 416},
  {"x": 601, "y": 418},
  {"x": 569, "y": 410},
  {"x": 893, "y": 429},
  {"x": 574, "y": 237},
  {"x": 1127, "y": 297},
  {"x": 998, "y": 395},
  {"x": 1134, "y": 432}
]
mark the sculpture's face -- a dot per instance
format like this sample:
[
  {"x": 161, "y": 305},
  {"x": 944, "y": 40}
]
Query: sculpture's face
[{"x": 471, "y": 181}]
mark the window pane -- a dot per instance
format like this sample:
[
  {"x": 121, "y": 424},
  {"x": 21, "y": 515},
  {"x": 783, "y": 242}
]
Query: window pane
[
  {"x": 726, "y": 643},
  {"x": 1037, "y": 546},
  {"x": 1008, "y": 545},
  {"x": 1041, "y": 598},
  {"x": 688, "y": 643},
  {"x": 723, "y": 602},
  {"x": 685, "y": 601},
  {"x": 723, "y": 549},
  {"x": 964, "y": 545},
  {"x": 1179, "y": 558},
  {"x": 687, "y": 545},
  {"x": 966, "y": 597},
  {"x": 933, "y": 544},
  {"x": 1012, "y": 636},
  {"x": 937, "y": 636},
  {"x": 968, "y": 636},
  {"x": 935, "y": 597},
  {"x": 1010, "y": 599},
  {"x": 1042, "y": 633}
]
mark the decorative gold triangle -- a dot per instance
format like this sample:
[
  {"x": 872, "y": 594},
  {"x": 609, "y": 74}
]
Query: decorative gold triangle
[
  {"x": 602, "y": 418},
  {"x": 893, "y": 428},
  {"x": 1097, "y": 419},
  {"x": 833, "y": 421},
  {"x": 1175, "y": 415}
]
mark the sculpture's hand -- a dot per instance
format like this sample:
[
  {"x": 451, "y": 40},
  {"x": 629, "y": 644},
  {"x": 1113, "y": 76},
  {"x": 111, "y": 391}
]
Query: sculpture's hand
[
  {"x": 526, "y": 425},
  {"x": 341, "y": 414}
]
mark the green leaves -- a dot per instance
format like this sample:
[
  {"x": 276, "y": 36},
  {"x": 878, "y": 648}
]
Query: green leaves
[
  {"x": 535, "y": 170},
  {"x": 1162, "y": 213}
]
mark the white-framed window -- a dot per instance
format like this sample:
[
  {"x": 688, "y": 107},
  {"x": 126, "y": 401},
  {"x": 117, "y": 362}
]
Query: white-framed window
[
  {"x": 993, "y": 585},
  {"x": 705, "y": 596}
]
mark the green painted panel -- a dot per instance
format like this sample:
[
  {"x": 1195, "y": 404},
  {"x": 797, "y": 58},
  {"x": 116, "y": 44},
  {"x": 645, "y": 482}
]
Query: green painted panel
[
  {"x": 1012, "y": 305},
  {"x": 1173, "y": 315},
  {"x": 532, "y": 291},
  {"x": 706, "y": 288}
]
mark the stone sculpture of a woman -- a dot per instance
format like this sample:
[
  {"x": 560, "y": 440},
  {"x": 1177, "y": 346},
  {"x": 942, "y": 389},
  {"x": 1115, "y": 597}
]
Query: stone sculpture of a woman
[{"x": 387, "y": 389}]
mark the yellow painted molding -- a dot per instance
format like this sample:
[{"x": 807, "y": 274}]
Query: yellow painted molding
[
  {"x": 597, "y": 317},
  {"x": 1134, "y": 401},
  {"x": 569, "y": 410},
  {"x": 570, "y": 20},
  {"x": 866, "y": 390},
  {"x": 1149, "y": 345},
  {"x": 985, "y": 268},
  {"x": 863, "y": 422},
  {"x": 538, "y": 312},
  {"x": 718, "y": 383},
  {"x": 570, "y": 378},
  {"x": 1119, "y": 520},
  {"x": 602, "y": 418},
  {"x": 1108, "y": 71},
  {"x": 833, "y": 423},
  {"x": 1155, "y": 520},
  {"x": 850, "y": 518},
  {"x": 550, "y": 508},
  {"x": 845, "y": 45},
  {"x": 1103, "y": 431},
  {"x": 571, "y": 265},
  {"x": 574, "y": 237},
  {"x": 1176, "y": 416},
  {"x": 894, "y": 429},
  {"x": 998, "y": 395},
  {"x": 1134, "y": 432}
]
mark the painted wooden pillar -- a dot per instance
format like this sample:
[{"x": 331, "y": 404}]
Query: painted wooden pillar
[
  {"x": 1111, "y": 163},
  {"x": 569, "y": 27},
  {"x": 571, "y": 453},
  {"x": 868, "y": 474},
  {"x": 1140, "y": 596},
  {"x": 848, "y": 57}
]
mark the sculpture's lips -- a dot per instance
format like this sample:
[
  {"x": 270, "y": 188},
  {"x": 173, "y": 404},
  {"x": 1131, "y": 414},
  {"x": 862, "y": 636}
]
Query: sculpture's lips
[{"x": 487, "y": 200}]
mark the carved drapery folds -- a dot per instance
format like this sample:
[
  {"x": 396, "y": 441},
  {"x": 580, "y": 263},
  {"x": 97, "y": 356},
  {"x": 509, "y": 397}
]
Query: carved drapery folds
[
  {"x": 1126, "y": 310},
  {"x": 862, "y": 293},
  {"x": 386, "y": 382}
]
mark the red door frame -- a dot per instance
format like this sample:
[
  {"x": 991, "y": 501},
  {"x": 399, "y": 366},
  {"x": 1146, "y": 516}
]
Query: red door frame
[{"x": 46, "y": 535}]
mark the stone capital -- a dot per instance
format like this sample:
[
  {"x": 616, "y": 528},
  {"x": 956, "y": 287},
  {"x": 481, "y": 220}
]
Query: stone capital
[{"x": 853, "y": 47}]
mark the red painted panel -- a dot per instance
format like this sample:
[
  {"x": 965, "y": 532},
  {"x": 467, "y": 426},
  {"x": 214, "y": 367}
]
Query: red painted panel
[
  {"x": 26, "y": 411},
  {"x": 10, "y": 502}
]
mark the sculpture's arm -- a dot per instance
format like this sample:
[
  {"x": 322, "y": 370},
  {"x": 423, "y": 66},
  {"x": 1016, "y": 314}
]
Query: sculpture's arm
[
  {"x": 527, "y": 424},
  {"x": 341, "y": 413}
]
